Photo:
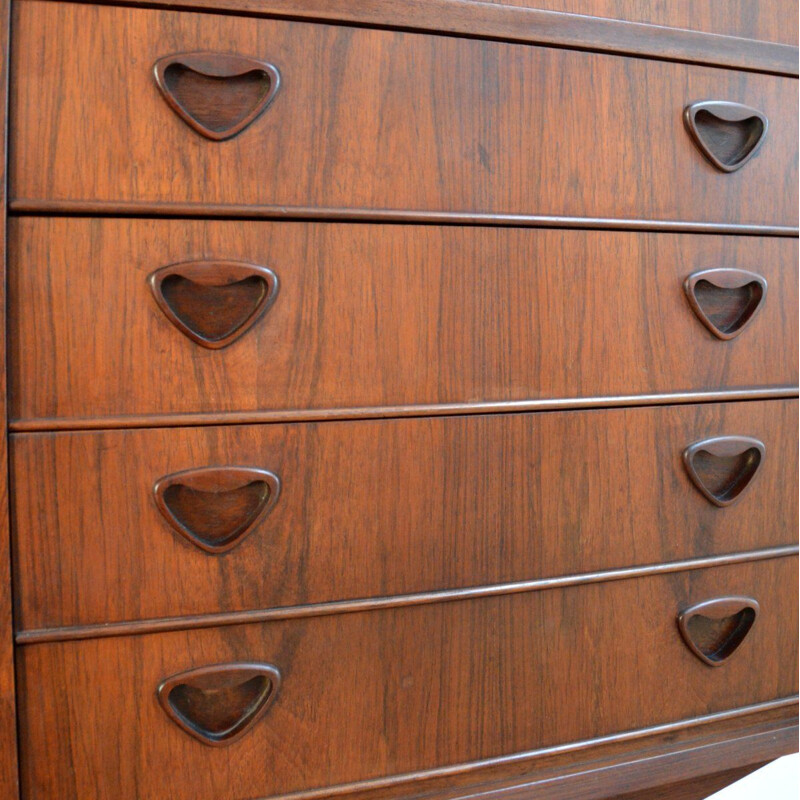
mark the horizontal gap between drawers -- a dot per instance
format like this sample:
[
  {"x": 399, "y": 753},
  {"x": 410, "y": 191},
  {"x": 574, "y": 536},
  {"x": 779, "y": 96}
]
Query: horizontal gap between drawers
[
  {"x": 44, "y": 425},
  {"x": 102, "y": 208},
  {"x": 517, "y": 25},
  {"x": 139, "y": 627}
]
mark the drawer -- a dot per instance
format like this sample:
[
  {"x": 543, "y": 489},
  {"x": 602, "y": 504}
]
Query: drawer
[
  {"x": 767, "y": 20},
  {"x": 370, "y": 120},
  {"x": 369, "y": 315},
  {"x": 370, "y": 694},
  {"x": 382, "y": 507}
]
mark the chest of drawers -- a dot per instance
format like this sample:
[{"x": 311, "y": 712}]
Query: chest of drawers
[{"x": 400, "y": 399}]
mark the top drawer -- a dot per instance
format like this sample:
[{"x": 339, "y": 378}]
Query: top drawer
[{"x": 371, "y": 120}]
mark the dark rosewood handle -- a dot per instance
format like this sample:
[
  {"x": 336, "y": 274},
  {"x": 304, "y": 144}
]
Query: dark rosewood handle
[
  {"x": 727, "y": 134},
  {"x": 214, "y": 302},
  {"x": 219, "y": 704},
  {"x": 714, "y": 629},
  {"x": 725, "y": 300},
  {"x": 215, "y": 508},
  {"x": 216, "y": 94},
  {"x": 723, "y": 467}
]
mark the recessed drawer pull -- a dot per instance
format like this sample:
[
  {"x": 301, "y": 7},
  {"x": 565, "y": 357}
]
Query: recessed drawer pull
[
  {"x": 216, "y": 94},
  {"x": 219, "y": 704},
  {"x": 714, "y": 629},
  {"x": 215, "y": 508},
  {"x": 724, "y": 466},
  {"x": 727, "y": 134},
  {"x": 214, "y": 302},
  {"x": 725, "y": 300}
]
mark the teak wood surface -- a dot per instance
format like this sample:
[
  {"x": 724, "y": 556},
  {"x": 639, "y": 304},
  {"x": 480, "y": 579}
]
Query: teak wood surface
[
  {"x": 766, "y": 20},
  {"x": 8, "y": 728},
  {"x": 369, "y": 695},
  {"x": 454, "y": 605},
  {"x": 604, "y": 33},
  {"x": 385, "y": 507},
  {"x": 377, "y": 120},
  {"x": 371, "y": 315}
]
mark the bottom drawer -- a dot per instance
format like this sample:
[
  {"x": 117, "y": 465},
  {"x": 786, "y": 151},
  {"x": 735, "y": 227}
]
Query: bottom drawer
[{"x": 375, "y": 693}]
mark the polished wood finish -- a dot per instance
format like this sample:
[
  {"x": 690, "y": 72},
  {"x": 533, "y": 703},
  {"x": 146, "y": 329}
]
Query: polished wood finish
[
  {"x": 380, "y": 316},
  {"x": 379, "y": 507},
  {"x": 217, "y": 705},
  {"x": 394, "y": 120},
  {"x": 8, "y": 714},
  {"x": 728, "y": 134},
  {"x": 357, "y": 689},
  {"x": 714, "y": 629},
  {"x": 726, "y": 300},
  {"x": 194, "y": 622},
  {"x": 768, "y": 20},
  {"x": 214, "y": 302},
  {"x": 216, "y": 94},
  {"x": 723, "y": 467},
  {"x": 216, "y": 507},
  {"x": 497, "y": 20},
  {"x": 312, "y": 540}
]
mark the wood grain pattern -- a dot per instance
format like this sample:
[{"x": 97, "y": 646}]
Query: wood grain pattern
[
  {"x": 766, "y": 20},
  {"x": 394, "y": 120},
  {"x": 371, "y": 695},
  {"x": 619, "y": 764},
  {"x": 381, "y": 316},
  {"x": 384, "y": 507},
  {"x": 8, "y": 717},
  {"x": 534, "y": 25}
]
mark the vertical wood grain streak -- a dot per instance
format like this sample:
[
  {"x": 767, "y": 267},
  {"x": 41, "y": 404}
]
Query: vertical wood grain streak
[{"x": 8, "y": 737}]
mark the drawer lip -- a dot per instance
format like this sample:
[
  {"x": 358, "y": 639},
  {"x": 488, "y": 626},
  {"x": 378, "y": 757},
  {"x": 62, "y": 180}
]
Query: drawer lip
[
  {"x": 189, "y": 420},
  {"x": 22, "y": 206},
  {"x": 148, "y": 626},
  {"x": 528, "y": 25}
]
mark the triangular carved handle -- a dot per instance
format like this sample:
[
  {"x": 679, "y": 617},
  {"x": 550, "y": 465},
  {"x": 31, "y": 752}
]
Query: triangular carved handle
[
  {"x": 218, "y": 704},
  {"x": 714, "y": 629},
  {"x": 725, "y": 300},
  {"x": 216, "y": 94},
  {"x": 724, "y": 466},
  {"x": 214, "y": 302},
  {"x": 215, "y": 508},
  {"x": 727, "y": 134}
]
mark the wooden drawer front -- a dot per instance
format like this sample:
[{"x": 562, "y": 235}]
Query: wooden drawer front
[
  {"x": 376, "y": 120},
  {"x": 370, "y": 315},
  {"x": 370, "y": 694},
  {"x": 384, "y": 507},
  {"x": 766, "y": 20}
]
